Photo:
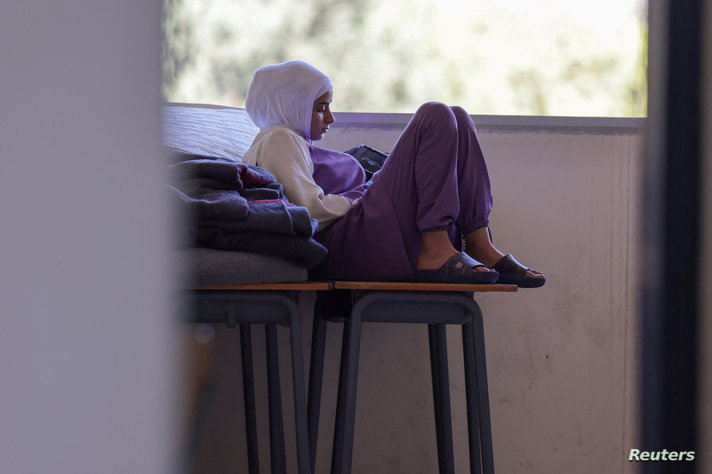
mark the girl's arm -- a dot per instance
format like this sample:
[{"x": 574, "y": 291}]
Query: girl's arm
[{"x": 286, "y": 155}]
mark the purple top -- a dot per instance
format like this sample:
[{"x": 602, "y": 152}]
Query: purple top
[{"x": 338, "y": 173}]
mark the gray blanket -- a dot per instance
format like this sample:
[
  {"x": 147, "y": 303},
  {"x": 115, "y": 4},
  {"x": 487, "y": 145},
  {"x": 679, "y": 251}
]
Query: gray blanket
[{"x": 236, "y": 206}]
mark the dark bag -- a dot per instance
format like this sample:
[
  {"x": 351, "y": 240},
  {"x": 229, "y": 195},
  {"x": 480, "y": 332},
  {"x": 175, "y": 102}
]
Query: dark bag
[{"x": 371, "y": 160}]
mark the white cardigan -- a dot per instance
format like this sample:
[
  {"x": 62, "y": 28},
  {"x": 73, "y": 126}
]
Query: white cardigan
[{"x": 284, "y": 153}]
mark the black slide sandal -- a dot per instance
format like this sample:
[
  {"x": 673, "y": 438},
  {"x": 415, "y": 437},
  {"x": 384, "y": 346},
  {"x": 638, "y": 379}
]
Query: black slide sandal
[
  {"x": 514, "y": 273},
  {"x": 458, "y": 269}
]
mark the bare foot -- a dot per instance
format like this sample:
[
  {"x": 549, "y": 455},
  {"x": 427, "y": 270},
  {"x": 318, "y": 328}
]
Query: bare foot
[
  {"x": 435, "y": 250},
  {"x": 479, "y": 246},
  {"x": 534, "y": 274},
  {"x": 433, "y": 259}
]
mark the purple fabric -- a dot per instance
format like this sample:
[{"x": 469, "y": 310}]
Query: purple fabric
[
  {"x": 435, "y": 178},
  {"x": 338, "y": 173}
]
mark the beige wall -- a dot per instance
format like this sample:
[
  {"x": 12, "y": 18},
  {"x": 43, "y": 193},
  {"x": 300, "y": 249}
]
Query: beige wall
[{"x": 561, "y": 359}]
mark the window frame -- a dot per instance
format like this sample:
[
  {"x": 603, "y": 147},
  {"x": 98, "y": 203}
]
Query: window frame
[{"x": 502, "y": 123}]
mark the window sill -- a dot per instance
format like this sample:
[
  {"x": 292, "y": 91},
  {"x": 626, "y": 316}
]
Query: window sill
[{"x": 505, "y": 123}]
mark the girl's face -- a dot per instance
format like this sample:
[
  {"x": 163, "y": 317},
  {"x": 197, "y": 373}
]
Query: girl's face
[{"x": 321, "y": 116}]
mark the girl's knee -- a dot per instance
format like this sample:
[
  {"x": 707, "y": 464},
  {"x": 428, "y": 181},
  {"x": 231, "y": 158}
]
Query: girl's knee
[
  {"x": 434, "y": 108},
  {"x": 461, "y": 115},
  {"x": 437, "y": 112},
  {"x": 459, "y": 111}
]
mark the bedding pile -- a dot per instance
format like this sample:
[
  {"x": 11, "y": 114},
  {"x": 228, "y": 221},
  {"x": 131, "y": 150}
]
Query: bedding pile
[{"x": 236, "y": 206}]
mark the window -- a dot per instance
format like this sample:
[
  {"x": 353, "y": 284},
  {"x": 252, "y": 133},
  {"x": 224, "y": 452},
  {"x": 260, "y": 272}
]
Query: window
[{"x": 521, "y": 57}]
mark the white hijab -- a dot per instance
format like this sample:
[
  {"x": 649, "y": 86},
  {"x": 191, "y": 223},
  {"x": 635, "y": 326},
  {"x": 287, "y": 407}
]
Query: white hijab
[{"x": 284, "y": 94}]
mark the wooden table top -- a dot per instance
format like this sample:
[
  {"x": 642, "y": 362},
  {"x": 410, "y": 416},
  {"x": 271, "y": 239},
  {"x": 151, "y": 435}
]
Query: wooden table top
[{"x": 366, "y": 285}]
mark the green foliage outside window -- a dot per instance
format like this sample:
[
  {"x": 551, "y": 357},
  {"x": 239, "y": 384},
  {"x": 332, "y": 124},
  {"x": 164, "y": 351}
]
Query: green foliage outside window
[{"x": 521, "y": 57}]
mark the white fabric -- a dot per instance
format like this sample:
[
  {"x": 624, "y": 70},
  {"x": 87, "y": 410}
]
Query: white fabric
[
  {"x": 285, "y": 154},
  {"x": 284, "y": 94},
  {"x": 208, "y": 130}
]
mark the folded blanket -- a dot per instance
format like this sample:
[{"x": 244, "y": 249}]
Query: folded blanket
[{"x": 236, "y": 206}]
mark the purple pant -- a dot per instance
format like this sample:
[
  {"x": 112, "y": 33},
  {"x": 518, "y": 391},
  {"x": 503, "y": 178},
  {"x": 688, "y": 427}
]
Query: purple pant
[{"x": 435, "y": 178}]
